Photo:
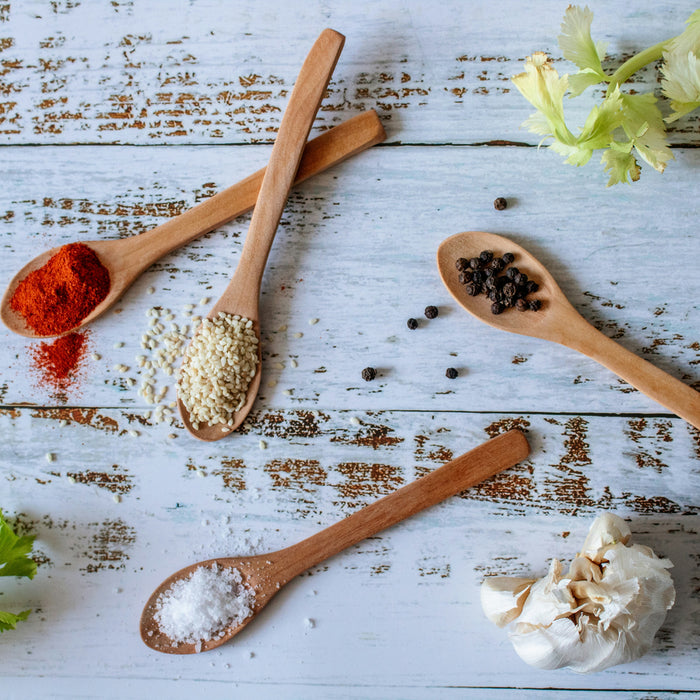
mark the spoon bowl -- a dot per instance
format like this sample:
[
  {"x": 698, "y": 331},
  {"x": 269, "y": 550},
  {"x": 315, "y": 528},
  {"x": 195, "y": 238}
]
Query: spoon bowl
[
  {"x": 266, "y": 574},
  {"x": 558, "y": 321},
  {"x": 127, "y": 258}
]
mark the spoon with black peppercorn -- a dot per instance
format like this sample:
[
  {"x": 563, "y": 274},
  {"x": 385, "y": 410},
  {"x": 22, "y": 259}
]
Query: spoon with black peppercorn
[
  {"x": 266, "y": 574},
  {"x": 553, "y": 317}
]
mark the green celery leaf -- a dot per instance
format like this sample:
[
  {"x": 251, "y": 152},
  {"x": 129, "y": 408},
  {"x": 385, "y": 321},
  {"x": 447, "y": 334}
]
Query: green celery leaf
[
  {"x": 578, "y": 82},
  {"x": 602, "y": 121},
  {"x": 14, "y": 552},
  {"x": 643, "y": 122},
  {"x": 576, "y": 43},
  {"x": 620, "y": 165},
  {"x": 8, "y": 621},
  {"x": 575, "y": 155}
]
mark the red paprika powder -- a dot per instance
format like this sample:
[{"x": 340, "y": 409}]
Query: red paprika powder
[
  {"x": 60, "y": 361},
  {"x": 60, "y": 294}
]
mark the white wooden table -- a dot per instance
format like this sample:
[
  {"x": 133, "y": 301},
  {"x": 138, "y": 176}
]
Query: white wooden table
[{"x": 115, "y": 115}]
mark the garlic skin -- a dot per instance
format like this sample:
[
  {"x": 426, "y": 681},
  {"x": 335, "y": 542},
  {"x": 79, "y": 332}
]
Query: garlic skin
[{"x": 604, "y": 612}]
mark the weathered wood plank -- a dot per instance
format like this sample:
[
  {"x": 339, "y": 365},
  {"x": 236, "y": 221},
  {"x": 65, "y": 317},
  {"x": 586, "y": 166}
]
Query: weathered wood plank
[
  {"x": 356, "y": 250},
  {"x": 208, "y": 72},
  {"x": 402, "y": 606}
]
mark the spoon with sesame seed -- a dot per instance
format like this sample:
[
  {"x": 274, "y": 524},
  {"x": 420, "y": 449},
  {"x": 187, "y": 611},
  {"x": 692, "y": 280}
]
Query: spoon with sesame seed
[
  {"x": 266, "y": 574},
  {"x": 210, "y": 400},
  {"x": 556, "y": 319}
]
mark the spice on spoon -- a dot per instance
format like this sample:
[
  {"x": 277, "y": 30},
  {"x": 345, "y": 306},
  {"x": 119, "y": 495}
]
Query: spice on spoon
[
  {"x": 61, "y": 293},
  {"x": 203, "y": 606},
  {"x": 219, "y": 365}
]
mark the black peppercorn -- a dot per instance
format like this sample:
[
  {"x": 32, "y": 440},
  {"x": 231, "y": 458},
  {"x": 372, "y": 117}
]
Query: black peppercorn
[
  {"x": 497, "y": 264},
  {"x": 520, "y": 279},
  {"x": 521, "y": 305},
  {"x": 412, "y": 323},
  {"x": 496, "y": 308},
  {"x": 486, "y": 256},
  {"x": 509, "y": 289},
  {"x": 473, "y": 289},
  {"x": 511, "y": 272},
  {"x": 490, "y": 283},
  {"x": 451, "y": 373},
  {"x": 508, "y": 258},
  {"x": 500, "y": 203},
  {"x": 369, "y": 373},
  {"x": 465, "y": 277},
  {"x": 494, "y": 295},
  {"x": 475, "y": 263},
  {"x": 462, "y": 264},
  {"x": 478, "y": 277},
  {"x": 531, "y": 287},
  {"x": 535, "y": 305},
  {"x": 431, "y": 311}
]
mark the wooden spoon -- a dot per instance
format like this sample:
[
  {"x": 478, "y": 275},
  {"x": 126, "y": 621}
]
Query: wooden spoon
[
  {"x": 127, "y": 258},
  {"x": 241, "y": 297},
  {"x": 267, "y": 573},
  {"x": 558, "y": 321}
]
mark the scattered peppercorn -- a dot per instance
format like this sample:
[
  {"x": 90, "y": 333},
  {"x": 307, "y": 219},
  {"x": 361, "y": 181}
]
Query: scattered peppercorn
[
  {"x": 412, "y": 324},
  {"x": 500, "y": 203},
  {"x": 369, "y": 373},
  {"x": 535, "y": 305},
  {"x": 451, "y": 373},
  {"x": 431, "y": 311}
]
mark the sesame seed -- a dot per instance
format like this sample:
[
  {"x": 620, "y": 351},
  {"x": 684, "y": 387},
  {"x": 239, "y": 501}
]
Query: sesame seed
[
  {"x": 313, "y": 321},
  {"x": 95, "y": 356},
  {"x": 294, "y": 363},
  {"x": 50, "y": 457},
  {"x": 117, "y": 498},
  {"x": 262, "y": 445},
  {"x": 298, "y": 335},
  {"x": 151, "y": 290},
  {"x": 118, "y": 345}
]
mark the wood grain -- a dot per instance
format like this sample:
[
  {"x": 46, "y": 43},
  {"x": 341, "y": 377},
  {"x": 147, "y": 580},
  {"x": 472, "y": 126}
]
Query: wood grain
[{"x": 116, "y": 115}]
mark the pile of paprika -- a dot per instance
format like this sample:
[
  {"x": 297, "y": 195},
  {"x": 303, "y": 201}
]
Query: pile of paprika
[
  {"x": 56, "y": 297},
  {"x": 60, "y": 361}
]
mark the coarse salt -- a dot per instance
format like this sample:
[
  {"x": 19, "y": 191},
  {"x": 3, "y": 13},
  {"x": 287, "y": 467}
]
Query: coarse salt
[{"x": 202, "y": 606}]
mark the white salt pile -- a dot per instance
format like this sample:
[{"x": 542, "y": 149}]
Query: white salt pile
[{"x": 201, "y": 607}]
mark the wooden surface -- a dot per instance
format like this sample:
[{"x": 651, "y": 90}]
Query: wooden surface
[{"x": 115, "y": 116}]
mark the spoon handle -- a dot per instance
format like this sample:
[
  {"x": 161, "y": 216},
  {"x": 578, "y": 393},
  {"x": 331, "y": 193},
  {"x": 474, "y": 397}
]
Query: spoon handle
[
  {"x": 461, "y": 473},
  {"x": 299, "y": 115},
  {"x": 670, "y": 392},
  {"x": 330, "y": 148}
]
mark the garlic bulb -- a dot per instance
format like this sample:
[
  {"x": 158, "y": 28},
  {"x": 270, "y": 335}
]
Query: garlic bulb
[{"x": 604, "y": 611}]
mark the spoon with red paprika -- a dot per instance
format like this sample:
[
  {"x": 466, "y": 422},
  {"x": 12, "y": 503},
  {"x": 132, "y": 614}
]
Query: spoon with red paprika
[{"x": 69, "y": 286}]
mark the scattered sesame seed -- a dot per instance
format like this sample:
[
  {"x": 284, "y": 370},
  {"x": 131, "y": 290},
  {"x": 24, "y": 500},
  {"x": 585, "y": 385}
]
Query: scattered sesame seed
[
  {"x": 313, "y": 321},
  {"x": 151, "y": 290},
  {"x": 118, "y": 345},
  {"x": 204, "y": 301},
  {"x": 117, "y": 498},
  {"x": 134, "y": 433},
  {"x": 279, "y": 365},
  {"x": 294, "y": 363},
  {"x": 282, "y": 328},
  {"x": 355, "y": 420},
  {"x": 50, "y": 457},
  {"x": 262, "y": 445},
  {"x": 63, "y": 423},
  {"x": 96, "y": 356},
  {"x": 71, "y": 479},
  {"x": 287, "y": 392},
  {"x": 298, "y": 335},
  {"x": 172, "y": 436},
  {"x": 272, "y": 382}
]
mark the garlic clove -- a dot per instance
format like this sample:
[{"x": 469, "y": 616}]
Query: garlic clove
[{"x": 502, "y": 597}]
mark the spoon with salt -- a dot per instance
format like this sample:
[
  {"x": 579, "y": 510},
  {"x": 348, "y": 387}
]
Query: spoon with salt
[
  {"x": 241, "y": 297},
  {"x": 558, "y": 321},
  {"x": 266, "y": 574},
  {"x": 127, "y": 258}
]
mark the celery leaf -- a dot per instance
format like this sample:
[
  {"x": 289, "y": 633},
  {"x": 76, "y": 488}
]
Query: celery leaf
[
  {"x": 578, "y": 47},
  {"x": 14, "y": 552},
  {"x": 8, "y": 621},
  {"x": 620, "y": 165}
]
